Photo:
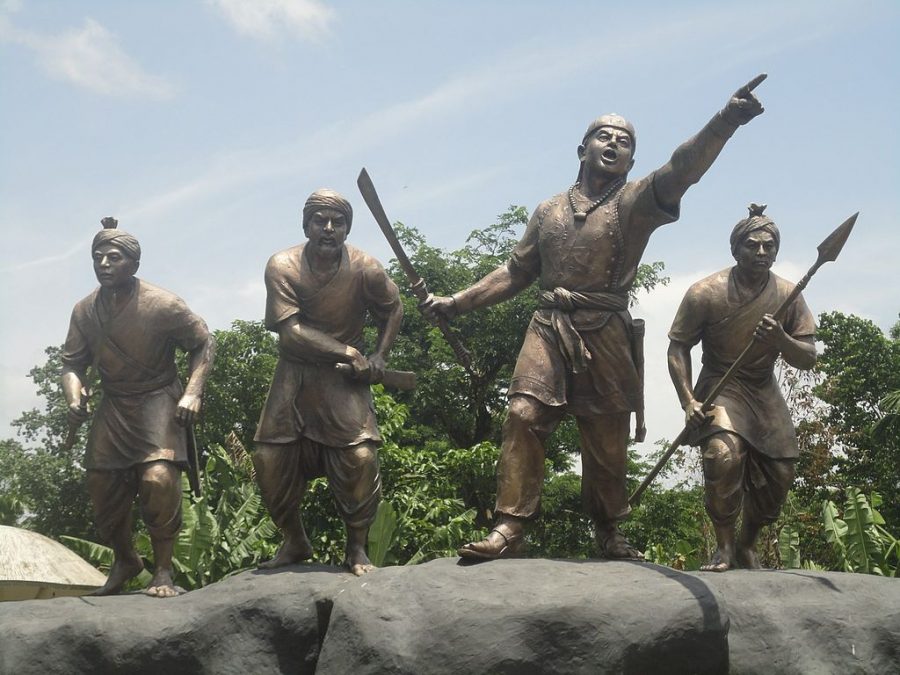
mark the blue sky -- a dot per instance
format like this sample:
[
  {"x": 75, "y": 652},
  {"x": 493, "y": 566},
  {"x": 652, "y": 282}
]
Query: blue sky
[{"x": 204, "y": 124}]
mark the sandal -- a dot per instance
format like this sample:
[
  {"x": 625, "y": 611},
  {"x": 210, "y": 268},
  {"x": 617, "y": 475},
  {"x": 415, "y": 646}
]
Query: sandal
[{"x": 512, "y": 547}]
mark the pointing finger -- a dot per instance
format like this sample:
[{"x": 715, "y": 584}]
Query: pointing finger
[{"x": 750, "y": 86}]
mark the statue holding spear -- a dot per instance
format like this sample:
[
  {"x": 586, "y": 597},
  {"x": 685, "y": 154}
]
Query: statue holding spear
[{"x": 743, "y": 425}]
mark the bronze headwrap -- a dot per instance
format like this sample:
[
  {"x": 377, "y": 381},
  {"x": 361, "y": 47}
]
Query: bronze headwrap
[
  {"x": 609, "y": 120},
  {"x": 755, "y": 221},
  {"x": 110, "y": 235},
  {"x": 616, "y": 122},
  {"x": 325, "y": 198}
]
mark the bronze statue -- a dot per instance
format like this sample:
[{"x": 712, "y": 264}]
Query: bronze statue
[
  {"x": 128, "y": 330},
  {"x": 317, "y": 421},
  {"x": 584, "y": 245},
  {"x": 747, "y": 439}
]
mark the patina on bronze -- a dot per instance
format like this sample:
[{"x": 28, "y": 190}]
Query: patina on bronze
[
  {"x": 128, "y": 331},
  {"x": 318, "y": 419},
  {"x": 747, "y": 438},
  {"x": 828, "y": 250},
  {"x": 584, "y": 246}
]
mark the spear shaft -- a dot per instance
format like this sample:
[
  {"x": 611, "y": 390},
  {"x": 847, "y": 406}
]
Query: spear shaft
[{"x": 828, "y": 252}]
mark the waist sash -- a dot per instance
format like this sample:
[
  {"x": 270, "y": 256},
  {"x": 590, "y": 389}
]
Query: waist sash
[{"x": 563, "y": 302}]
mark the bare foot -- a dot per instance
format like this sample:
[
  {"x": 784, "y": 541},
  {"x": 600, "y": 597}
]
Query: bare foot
[
  {"x": 121, "y": 572},
  {"x": 614, "y": 546},
  {"x": 291, "y": 552},
  {"x": 162, "y": 585},
  {"x": 494, "y": 546},
  {"x": 721, "y": 562},
  {"x": 358, "y": 562},
  {"x": 747, "y": 558}
]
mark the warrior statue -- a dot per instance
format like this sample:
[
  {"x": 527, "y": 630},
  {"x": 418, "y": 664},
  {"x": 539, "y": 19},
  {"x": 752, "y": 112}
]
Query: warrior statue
[
  {"x": 584, "y": 246},
  {"x": 317, "y": 421},
  {"x": 127, "y": 330},
  {"x": 748, "y": 441}
]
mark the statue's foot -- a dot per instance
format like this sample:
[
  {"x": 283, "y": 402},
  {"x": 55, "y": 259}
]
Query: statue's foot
[
  {"x": 121, "y": 572},
  {"x": 496, "y": 545},
  {"x": 162, "y": 585},
  {"x": 721, "y": 562},
  {"x": 290, "y": 553},
  {"x": 358, "y": 562},
  {"x": 747, "y": 558},
  {"x": 614, "y": 546}
]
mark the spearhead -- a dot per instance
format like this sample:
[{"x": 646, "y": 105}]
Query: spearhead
[{"x": 834, "y": 242}]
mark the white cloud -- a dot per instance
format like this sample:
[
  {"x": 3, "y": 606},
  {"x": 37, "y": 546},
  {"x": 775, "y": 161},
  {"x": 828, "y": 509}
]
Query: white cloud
[
  {"x": 268, "y": 19},
  {"x": 89, "y": 57},
  {"x": 525, "y": 68}
]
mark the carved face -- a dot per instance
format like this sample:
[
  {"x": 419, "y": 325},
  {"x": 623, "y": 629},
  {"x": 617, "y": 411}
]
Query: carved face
[
  {"x": 112, "y": 266},
  {"x": 756, "y": 252},
  {"x": 326, "y": 230},
  {"x": 608, "y": 150}
]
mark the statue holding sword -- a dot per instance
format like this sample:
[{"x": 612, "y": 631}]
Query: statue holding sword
[
  {"x": 319, "y": 418},
  {"x": 580, "y": 352}
]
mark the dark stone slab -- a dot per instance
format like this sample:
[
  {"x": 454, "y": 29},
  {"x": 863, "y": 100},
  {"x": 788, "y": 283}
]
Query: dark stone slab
[
  {"x": 527, "y": 616},
  {"x": 794, "y": 621},
  {"x": 510, "y": 616},
  {"x": 255, "y": 622}
]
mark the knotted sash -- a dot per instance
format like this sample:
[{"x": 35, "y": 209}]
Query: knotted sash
[{"x": 563, "y": 302}]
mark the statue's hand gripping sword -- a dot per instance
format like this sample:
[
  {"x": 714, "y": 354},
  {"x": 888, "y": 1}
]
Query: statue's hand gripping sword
[
  {"x": 828, "y": 252},
  {"x": 367, "y": 188}
]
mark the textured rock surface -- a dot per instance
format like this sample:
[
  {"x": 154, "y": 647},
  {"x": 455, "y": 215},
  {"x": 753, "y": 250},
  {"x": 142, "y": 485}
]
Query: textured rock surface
[{"x": 516, "y": 616}]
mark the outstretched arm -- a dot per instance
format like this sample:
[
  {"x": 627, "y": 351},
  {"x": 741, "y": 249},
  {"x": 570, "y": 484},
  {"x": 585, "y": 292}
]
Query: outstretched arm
[
  {"x": 694, "y": 157},
  {"x": 501, "y": 284}
]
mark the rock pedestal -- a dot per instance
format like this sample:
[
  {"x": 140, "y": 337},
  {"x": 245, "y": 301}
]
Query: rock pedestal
[{"x": 510, "y": 616}]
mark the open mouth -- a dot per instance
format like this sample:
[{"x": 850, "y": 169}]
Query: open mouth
[{"x": 609, "y": 155}]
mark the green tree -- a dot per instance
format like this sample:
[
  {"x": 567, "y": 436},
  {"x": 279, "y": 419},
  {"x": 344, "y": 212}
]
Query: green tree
[
  {"x": 462, "y": 412},
  {"x": 438, "y": 458},
  {"x": 860, "y": 368}
]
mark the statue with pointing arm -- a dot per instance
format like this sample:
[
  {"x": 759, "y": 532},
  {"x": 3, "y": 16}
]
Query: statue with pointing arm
[{"x": 583, "y": 246}]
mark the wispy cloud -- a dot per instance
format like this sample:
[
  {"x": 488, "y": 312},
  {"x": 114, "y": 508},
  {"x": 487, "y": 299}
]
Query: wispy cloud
[
  {"x": 522, "y": 69},
  {"x": 55, "y": 258},
  {"x": 271, "y": 19},
  {"x": 89, "y": 57}
]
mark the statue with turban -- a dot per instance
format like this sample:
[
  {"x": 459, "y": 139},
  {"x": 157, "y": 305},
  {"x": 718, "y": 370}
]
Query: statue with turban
[
  {"x": 582, "y": 351},
  {"x": 748, "y": 442},
  {"x": 316, "y": 421},
  {"x": 127, "y": 330}
]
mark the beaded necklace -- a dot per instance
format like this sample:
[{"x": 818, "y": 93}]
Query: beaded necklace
[{"x": 581, "y": 216}]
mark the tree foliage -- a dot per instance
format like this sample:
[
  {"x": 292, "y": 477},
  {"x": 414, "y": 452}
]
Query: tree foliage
[
  {"x": 861, "y": 368},
  {"x": 441, "y": 448}
]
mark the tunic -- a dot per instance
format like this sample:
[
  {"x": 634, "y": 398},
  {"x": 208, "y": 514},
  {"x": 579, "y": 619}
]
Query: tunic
[
  {"x": 134, "y": 352},
  {"x": 598, "y": 259},
  {"x": 751, "y": 404},
  {"x": 308, "y": 398}
]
